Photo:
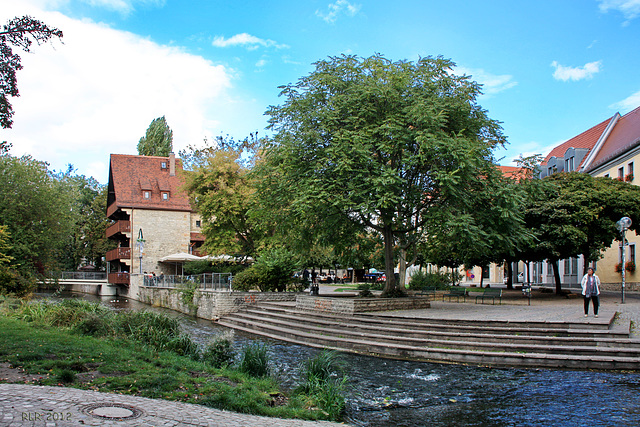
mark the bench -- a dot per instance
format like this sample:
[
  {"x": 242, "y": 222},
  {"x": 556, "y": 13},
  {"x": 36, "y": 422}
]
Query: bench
[
  {"x": 490, "y": 293},
  {"x": 428, "y": 292},
  {"x": 457, "y": 293}
]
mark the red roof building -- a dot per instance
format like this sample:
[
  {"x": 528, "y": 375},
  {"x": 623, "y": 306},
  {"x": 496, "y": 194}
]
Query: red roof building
[{"x": 151, "y": 214}]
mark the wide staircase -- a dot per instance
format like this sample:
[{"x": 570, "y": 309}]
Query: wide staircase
[{"x": 484, "y": 343}]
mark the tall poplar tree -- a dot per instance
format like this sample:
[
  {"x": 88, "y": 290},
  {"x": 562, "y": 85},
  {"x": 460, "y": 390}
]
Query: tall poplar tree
[{"x": 158, "y": 140}]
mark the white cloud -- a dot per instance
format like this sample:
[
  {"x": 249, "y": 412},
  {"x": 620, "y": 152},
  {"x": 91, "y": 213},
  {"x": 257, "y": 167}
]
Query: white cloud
[
  {"x": 587, "y": 71},
  {"x": 491, "y": 83},
  {"x": 340, "y": 6},
  {"x": 630, "y": 103},
  {"x": 98, "y": 92},
  {"x": 247, "y": 40},
  {"x": 630, "y": 9},
  {"x": 261, "y": 63}
]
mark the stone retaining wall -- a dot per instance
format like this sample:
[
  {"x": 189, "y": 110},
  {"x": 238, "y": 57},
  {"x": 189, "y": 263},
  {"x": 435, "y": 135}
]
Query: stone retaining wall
[
  {"x": 358, "y": 305},
  {"x": 629, "y": 286},
  {"x": 208, "y": 304}
]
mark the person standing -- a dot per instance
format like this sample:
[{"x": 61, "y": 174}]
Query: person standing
[{"x": 591, "y": 291}]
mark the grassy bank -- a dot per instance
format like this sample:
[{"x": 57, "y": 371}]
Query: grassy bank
[{"x": 88, "y": 346}]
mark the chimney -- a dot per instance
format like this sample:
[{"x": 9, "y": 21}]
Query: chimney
[{"x": 172, "y": 164}]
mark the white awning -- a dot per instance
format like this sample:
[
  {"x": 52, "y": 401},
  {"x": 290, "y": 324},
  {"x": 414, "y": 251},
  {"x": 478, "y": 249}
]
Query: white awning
[{"x": 181, "y": 257}]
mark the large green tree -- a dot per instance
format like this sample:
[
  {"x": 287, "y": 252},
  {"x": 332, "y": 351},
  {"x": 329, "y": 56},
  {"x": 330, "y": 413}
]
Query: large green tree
[
  {"x": 485, "y": 227},
  {"x": 86, "y": 240},
  {"x": 572, "y": 214},
  {"x": 158, "y": 140},
  {"x": 223, "y": 192},
  {"x": 36, "y": 211},
  {"x": 17, "y": 32},
  {"x": 376, "y": 143}
]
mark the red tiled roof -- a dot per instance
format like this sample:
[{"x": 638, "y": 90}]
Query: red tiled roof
[
  {"x": 625, "y": 133},
  {"x": 130, "y": 175},
  {"x": 586, "y": 139}
]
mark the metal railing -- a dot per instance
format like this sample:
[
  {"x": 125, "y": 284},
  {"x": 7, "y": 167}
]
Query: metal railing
[
  {"x": 207, "y": 281},
  {"x": 81, "y": 275}
]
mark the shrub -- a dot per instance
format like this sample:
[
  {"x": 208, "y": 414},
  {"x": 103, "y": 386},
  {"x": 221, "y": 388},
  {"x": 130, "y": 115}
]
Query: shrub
[
  {"x": 421, "y": 280},
  {"x": 219, "y": 353},
  {"x": 14, "y": 283},
  {"x": 272, "y": 271},
  {"x": 254, "y": 360}
]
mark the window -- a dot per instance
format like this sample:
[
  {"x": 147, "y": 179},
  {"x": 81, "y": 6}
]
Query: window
[
  {"x": 146, "y": 194},
  {"x": 198, "y": 223},
  {"x": 163, "y": 165},
  {"x": 632, "y": 253},
  {"x": 165, "y": 196},
  {"x": 569, "y": 164},
  {"x": 550, "y": 171},
  {"x": 621, "y": 173},
  {"x": 606, "y": 175}
]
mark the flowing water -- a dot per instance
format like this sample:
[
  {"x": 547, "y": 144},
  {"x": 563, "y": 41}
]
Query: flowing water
[{"x": 384, "y": 392}]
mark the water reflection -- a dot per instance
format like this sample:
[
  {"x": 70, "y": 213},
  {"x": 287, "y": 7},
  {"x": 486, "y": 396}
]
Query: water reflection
[{"x": 386, "y": 392}]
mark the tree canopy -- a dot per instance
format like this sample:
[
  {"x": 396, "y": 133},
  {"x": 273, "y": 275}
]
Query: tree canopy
[
  {"x": 17, "y": 32},
  {"x": 572, "y": 214},
  {"x": 378, "y": 144},
  {"x": 158, "y": 140}
]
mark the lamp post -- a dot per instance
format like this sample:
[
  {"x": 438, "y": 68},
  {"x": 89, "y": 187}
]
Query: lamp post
[
  {"x": 140, "y": 245},
  {"x": 623, "y": 226}
]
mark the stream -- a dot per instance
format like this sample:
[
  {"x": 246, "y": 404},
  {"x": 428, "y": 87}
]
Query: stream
[{"x": 385, "y": 392}]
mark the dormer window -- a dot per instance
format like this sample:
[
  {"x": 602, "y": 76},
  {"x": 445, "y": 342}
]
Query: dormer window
[
  {"x": 165, "y": 196},
  {"x": 146, "y": 194}
]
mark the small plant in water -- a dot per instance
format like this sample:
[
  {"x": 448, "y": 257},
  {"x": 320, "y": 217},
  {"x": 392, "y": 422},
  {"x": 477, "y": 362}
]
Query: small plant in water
[{"x": 322, "y": 384}]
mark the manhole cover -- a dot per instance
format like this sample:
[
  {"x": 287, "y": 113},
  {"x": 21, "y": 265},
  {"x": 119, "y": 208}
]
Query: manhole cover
[{"x": 112, "y": 411}]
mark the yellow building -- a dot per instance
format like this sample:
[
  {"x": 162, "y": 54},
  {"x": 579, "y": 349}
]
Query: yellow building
[
  {"x": 608, "y": 149},
  {"x": 616, "y": 157}
]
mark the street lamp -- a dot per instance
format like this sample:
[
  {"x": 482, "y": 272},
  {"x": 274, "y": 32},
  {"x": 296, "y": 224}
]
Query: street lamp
[
  {"x": 623, "y": 226},
  {"x": 140, "y": 245}
]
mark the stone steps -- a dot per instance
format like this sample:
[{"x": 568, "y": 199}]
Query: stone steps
[{"x": 474, "y": 342}]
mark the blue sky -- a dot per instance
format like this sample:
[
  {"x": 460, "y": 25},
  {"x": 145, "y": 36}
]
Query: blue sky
[{"x": 550, "y": 69}]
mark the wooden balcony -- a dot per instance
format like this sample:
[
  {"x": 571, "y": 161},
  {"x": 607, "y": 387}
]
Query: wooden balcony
[
  {"x": 118, "y": 253},
  {"x": 122, "y": 226},
  {"x": 119, "y": 278}
]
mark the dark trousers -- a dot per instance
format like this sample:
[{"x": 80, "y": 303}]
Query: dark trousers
[{"x": 596, "y": 304}]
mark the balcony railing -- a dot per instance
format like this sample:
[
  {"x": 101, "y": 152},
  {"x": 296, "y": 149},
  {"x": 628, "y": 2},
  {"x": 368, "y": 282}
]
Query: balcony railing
[
  {"x": 118, "y": 253},
  {"x": 122, "y": 226},
  {"x": 119, "y": 278}
]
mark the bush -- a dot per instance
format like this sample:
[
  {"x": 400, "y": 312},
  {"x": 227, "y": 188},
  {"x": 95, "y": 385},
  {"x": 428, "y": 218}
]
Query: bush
[
  {"x": 14, "y": 283},
  {"x": 219, "y": 353},
  {"x": 183, "y": 345},
  {"x": 273, "y": 271},
  {"x": 421, "y": 280},
  {"x": 254, "y": 360}
]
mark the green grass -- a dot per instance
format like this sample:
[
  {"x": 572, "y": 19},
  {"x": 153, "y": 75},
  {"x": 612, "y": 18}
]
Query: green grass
[{"x": 61, "y": 356}]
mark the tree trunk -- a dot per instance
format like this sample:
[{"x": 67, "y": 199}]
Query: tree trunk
[
  {"x": 402, "y": 268},
  {"x": 556, "y": 275},
  {"x": 509, "y": 275},
  {"x": 390, "y": 285}
]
